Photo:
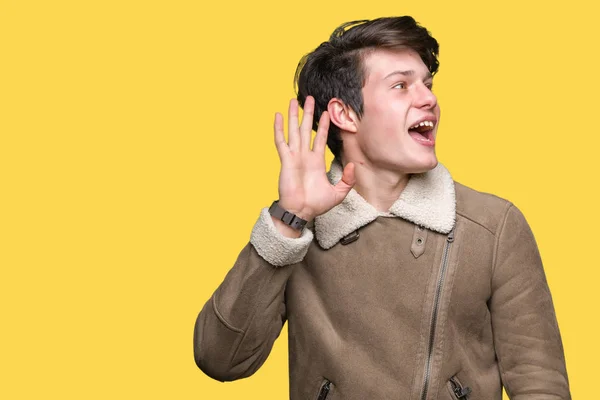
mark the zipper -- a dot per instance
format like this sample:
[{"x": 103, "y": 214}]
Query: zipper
[
  {"x": 459, "y": 391},
  {"x": 434, "y": 316},
  {"x": 324, "y": 390}
]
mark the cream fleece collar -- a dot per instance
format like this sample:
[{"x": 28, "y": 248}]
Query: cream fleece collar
[{"x": 428, "y": 200}]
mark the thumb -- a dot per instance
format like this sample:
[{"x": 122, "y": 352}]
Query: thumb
[{"x": 347, "y": 182}]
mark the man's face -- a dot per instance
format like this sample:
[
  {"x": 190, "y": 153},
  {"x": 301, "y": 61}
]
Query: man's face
[{"x": 397, "y": 96}]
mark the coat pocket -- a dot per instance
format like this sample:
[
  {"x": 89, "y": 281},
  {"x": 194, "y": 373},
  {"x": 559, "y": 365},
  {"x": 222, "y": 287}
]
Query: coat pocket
[
  {"x": 325, "y": 390},
  {"x": 458, "y": 390}
]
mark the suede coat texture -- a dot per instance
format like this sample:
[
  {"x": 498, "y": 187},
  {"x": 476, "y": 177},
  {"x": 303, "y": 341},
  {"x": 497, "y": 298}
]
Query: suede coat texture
[{"x": 442, "y": 297}]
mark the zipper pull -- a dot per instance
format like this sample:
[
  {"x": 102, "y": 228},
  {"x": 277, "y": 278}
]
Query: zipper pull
[
  {"x": 324, "y": 390},
  {"x": 451, "y": 235},
  {"x": 458, "y": 390}
]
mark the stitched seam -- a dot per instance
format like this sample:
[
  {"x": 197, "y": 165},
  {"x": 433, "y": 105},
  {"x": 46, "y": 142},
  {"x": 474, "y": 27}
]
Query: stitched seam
[
  {"x": 494, "y": 259},
  {"x": 223, "y": 320},
  {"x": 475, "y": 222},
  {"x": 498, "y": 234},
  {"x": 252, "y": 317}
]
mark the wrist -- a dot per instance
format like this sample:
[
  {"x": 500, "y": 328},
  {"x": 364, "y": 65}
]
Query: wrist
[{"x": 285, "y": 229}]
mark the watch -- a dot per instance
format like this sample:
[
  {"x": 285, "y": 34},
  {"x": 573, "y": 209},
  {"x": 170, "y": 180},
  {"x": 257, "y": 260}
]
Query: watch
[{"x": 287, "y": 217}]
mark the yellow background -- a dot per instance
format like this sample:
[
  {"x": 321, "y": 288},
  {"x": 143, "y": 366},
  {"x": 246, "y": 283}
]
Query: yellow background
[{"x": 136, "y": 152}]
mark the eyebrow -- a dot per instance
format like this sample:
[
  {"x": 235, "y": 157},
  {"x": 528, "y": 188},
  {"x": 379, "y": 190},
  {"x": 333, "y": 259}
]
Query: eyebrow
[{"x": 408, "y": 73}]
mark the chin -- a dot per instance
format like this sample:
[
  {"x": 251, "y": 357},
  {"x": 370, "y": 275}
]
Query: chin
[{"x": 425, "y": 165}]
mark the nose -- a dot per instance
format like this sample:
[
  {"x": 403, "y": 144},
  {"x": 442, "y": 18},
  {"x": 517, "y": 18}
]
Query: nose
[{"x": 423, "y": 97}]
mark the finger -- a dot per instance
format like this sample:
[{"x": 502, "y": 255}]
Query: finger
[
  {"x": 307, "y": 120},
  {"x": 346, "y": 183},
  {"x": 293, "y": 135},
  {"x": 280, "y": 143},
  {"x": 321, "y": 136}
]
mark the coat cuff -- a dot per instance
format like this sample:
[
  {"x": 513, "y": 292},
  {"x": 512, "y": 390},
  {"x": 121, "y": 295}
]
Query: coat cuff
[{"x": 276, "y": 248}]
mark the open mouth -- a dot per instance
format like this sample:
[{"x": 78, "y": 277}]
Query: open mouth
[{"x": 422, "y": 132}]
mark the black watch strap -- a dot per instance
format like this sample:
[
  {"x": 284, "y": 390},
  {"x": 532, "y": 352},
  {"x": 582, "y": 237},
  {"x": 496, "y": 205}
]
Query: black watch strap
[{"x": 287, "y": 217}]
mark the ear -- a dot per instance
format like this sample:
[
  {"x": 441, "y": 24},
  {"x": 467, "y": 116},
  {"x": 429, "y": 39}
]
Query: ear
[{"x": 342, "y": 116}]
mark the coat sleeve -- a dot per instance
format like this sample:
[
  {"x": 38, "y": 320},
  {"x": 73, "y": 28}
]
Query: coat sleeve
[
  {"x": 526, "y": 335},
  {"x": 236, "y": 329}
]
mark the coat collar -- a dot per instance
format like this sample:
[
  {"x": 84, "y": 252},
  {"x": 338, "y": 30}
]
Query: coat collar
[{"x": 428, "y": 200}]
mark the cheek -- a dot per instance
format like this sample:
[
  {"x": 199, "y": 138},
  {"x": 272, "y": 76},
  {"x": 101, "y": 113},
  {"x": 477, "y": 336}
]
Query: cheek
[
  {"x": 386, "y": 112},
  {"x": 384, "y": 118},
  {"x": 393, "y": 120}
]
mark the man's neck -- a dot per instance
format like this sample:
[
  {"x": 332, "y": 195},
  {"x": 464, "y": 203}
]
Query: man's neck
[{"x": 379, "y": 187}]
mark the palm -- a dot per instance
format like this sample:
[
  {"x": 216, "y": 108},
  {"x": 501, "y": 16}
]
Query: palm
[{"x": 303, "y": 185}]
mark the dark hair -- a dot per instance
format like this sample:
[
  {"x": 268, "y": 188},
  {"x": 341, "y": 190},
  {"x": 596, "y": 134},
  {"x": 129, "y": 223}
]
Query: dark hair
[{"x": 335, "y": 68}]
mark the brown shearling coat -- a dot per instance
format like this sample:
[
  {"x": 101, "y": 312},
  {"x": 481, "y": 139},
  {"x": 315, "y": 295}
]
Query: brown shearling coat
[{"x": 442, "y": 297}]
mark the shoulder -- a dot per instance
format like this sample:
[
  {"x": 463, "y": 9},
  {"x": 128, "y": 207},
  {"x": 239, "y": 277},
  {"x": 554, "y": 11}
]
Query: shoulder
[{"x": 485, "y": 209}]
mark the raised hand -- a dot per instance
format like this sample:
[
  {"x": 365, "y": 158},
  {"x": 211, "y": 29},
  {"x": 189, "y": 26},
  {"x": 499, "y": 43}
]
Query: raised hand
[{"x": 303, "y": 185}]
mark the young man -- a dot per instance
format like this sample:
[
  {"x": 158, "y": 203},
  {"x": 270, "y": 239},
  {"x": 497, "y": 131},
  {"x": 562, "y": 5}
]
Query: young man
[{"x": 404, "y": 284}]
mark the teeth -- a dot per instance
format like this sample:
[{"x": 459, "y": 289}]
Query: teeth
[{"x": 424, "y": 123}]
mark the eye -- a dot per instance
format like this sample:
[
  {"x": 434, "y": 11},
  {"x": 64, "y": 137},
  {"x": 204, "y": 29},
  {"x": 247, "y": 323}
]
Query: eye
[
  {"x": 400, "y": 85},
  {"x": 429, "y": 86}
]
